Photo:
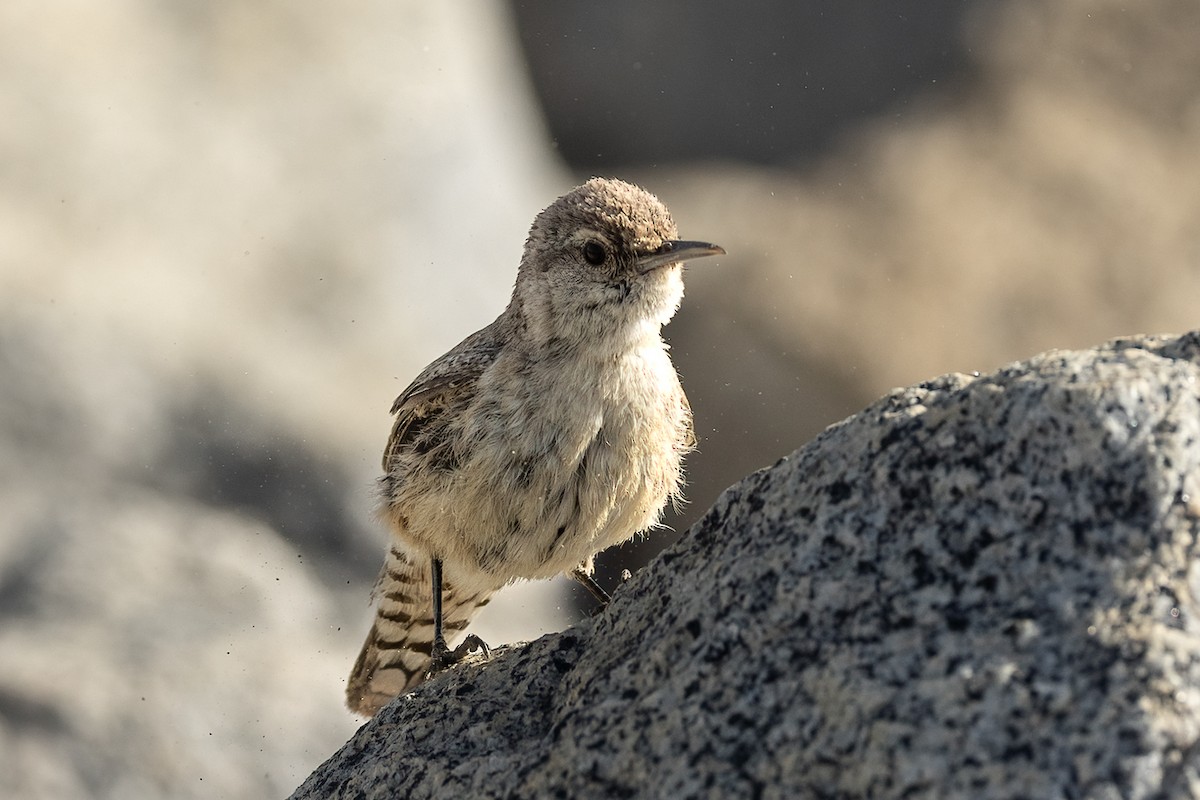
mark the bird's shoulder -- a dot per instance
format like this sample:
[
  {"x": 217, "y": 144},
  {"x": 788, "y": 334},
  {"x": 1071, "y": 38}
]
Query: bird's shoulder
[{"x": 453, "y": 373}]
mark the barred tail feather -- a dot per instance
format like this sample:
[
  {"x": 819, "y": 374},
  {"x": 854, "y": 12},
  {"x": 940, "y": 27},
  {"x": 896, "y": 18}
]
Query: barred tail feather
[{"x": 396, "y": 654}]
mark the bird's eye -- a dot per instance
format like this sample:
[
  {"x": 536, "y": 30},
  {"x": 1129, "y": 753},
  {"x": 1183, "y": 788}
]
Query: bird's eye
[{"x": 594, "y": 253}]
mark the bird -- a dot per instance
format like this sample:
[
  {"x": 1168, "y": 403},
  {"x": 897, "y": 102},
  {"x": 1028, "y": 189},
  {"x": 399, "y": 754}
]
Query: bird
[{"x": 553, "y": 433}]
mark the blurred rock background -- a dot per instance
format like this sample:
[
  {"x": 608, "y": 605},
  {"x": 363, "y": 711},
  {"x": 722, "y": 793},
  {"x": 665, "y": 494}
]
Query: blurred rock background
[{"x": 230, "y": 235}]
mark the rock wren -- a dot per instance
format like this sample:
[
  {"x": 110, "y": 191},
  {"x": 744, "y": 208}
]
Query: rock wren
[{"x": 551, "y": 434}]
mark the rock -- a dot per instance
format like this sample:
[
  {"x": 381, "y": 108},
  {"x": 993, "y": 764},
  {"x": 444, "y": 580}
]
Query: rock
[{"x": 978, "y": 587}]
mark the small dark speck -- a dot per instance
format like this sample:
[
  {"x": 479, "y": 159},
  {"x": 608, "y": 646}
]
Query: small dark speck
[
  {"x": 957, "y": 621},
  {"x": 839, "y": 491}
]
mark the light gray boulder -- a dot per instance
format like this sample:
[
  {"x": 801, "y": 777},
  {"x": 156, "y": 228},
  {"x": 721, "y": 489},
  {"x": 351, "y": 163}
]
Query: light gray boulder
[{"x": 978, "y": 587}]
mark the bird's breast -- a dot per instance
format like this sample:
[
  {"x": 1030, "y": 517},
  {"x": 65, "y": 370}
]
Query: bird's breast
[{"x": 571, "y": 457}]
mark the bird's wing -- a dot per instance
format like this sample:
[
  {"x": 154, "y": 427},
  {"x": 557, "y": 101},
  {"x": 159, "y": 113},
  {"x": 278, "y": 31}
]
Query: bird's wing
[
  {"x": 451, "y": 377},
  {"x": 396, "y": 654}
]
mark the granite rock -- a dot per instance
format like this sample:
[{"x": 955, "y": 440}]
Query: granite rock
[{"x": 978, "y": 587}]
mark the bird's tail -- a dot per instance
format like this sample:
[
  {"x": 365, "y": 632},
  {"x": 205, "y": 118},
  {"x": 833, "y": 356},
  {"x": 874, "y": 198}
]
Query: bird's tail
[{"x": 396, "y": 655}]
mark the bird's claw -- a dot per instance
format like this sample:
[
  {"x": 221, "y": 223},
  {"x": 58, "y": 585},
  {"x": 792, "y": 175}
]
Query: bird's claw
[{"x": 443, "y": 657}]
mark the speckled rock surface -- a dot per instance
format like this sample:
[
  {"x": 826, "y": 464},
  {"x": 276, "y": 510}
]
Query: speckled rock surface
[{"x": 976, "y": 588}]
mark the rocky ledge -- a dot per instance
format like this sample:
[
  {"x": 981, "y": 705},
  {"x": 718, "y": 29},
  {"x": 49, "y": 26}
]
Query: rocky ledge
[{"x": 978, "y": 587}]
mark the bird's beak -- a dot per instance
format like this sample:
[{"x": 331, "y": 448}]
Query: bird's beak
[{"x": 674, "y": 251}]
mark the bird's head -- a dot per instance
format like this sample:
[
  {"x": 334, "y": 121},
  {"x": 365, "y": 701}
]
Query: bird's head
[{"x": 603, "y": 261}]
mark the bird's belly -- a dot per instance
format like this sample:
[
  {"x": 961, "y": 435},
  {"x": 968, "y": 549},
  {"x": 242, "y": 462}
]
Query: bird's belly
[
  {"x": 540, "y": 493},
  {"x": 546, "y": 512}
]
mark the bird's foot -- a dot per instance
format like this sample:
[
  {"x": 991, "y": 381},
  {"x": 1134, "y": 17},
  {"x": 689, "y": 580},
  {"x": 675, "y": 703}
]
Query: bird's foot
[
  {"x": 585, "y": 578},
  {"x": 443, "y": 657}
]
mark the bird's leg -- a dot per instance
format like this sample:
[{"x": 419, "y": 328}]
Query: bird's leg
[
  {"x": 441, "y": 656},
  {"x": 589, "y": 583}
]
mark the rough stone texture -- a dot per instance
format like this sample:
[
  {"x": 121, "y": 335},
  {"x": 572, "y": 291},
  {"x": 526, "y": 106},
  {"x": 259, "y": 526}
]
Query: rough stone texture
[{"x": 976, "y": 588}]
